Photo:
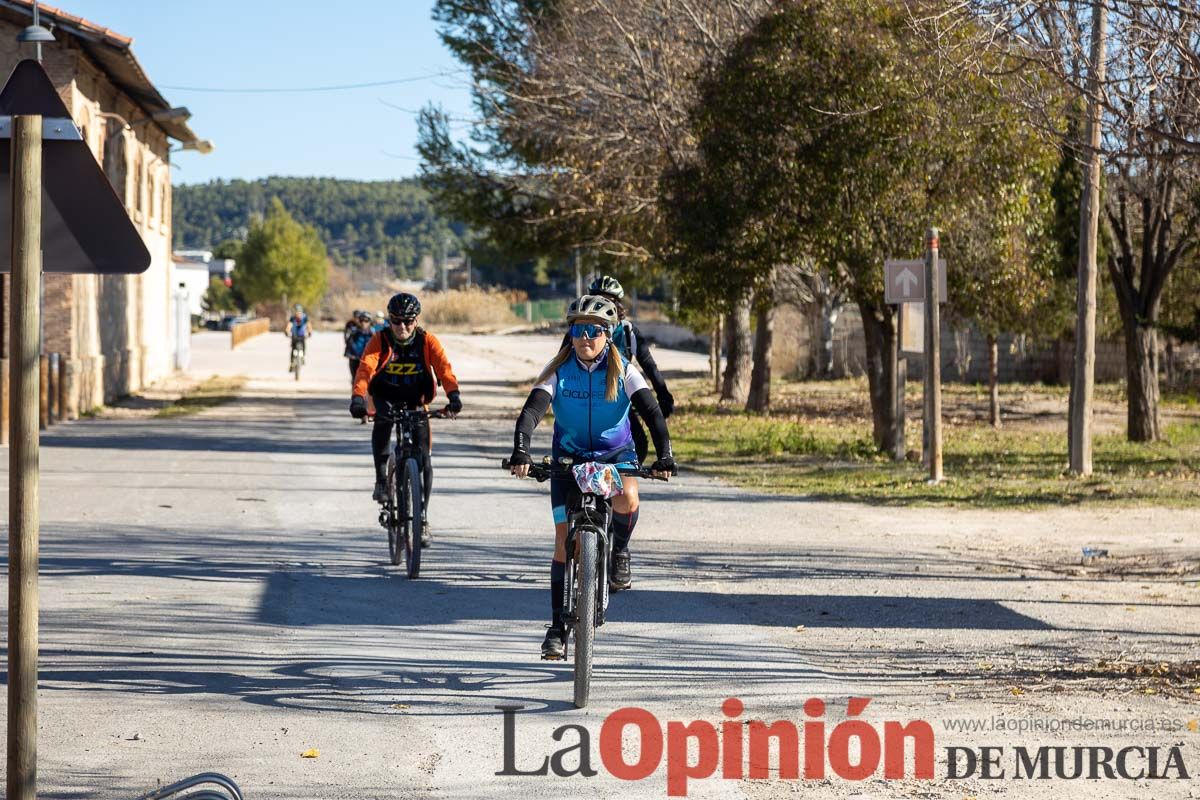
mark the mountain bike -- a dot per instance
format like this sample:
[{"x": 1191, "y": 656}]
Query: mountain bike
[
  {"x": 403, "y": 512},
  {"x": 297, "y": 357},
  {"x": 589, "y": 550}
]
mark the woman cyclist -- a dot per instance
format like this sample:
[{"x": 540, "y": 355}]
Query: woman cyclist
[
  {"x": 633, "y": 345},
  {"x": 357, "y": 337},
  {"x": 591, "y": 387}
]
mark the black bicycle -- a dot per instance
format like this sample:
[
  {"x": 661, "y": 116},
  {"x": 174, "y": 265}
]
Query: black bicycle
[
  {"x": 402, "y": 513},
  {"x": 297, "y": 359},
  {"x": 589, "y": 529}
]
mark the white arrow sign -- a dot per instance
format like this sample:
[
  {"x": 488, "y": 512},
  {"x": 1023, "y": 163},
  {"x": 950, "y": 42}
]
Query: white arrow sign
[{"x": 904, "y": 280}]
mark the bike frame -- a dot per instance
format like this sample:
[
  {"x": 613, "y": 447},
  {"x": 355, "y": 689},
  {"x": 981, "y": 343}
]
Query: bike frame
[{"x": 593, "y": 512}]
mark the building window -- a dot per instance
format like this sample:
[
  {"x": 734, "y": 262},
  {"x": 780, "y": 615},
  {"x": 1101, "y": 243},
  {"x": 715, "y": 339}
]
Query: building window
[
  {"x": 115, "y": 163},
  {"x": 137, "y": 185}
]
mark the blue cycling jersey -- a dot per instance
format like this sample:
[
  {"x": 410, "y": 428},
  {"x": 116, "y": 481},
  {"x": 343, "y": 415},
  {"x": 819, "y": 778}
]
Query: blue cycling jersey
[
  {"x": 356, "y": 342},
  {"x": 586, "y": 424}
]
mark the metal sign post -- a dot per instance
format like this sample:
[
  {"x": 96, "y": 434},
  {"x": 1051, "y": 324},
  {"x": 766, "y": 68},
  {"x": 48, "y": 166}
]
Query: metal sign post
[
  {"x": 933, "y": 353},
  {"x": 23, "y": 457}
]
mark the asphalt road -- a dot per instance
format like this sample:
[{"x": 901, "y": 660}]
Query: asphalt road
[{"x": 216, "y": 596}]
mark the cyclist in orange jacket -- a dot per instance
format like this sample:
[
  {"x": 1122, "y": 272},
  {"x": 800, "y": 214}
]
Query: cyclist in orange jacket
[{"x": 401, "y": 368}]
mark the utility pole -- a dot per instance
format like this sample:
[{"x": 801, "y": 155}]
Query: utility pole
[
  {"x": 578, "y": 273},
  {"x": 23, "y": 457},
  {"x": 445, "y": 266},
  {"x": 1083, "y": 377}
]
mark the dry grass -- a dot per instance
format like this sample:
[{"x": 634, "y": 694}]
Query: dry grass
[{"x": 466, "y": 309}]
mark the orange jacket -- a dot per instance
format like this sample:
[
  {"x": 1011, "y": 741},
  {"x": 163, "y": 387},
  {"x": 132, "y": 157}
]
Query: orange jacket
[{"x": 376, "y": 355}]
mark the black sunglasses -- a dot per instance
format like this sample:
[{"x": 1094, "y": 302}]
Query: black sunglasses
[{"x": 402, "y": 320}]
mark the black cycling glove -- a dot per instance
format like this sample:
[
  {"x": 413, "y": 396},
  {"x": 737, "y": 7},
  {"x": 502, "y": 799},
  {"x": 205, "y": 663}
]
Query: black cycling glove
[
  {"x": 666, "y": 465},
  {"x": 455, "y": 404},
  {"x": 666, "y": 402},
  {"x": 358, "y": 407},
  {"x": 519, "y": 458}
]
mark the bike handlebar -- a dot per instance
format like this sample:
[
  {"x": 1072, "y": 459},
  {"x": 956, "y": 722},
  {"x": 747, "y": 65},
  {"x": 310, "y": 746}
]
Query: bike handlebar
[
  {"x": 543, "y": 472},
  {"x": 419, "y": 413}
]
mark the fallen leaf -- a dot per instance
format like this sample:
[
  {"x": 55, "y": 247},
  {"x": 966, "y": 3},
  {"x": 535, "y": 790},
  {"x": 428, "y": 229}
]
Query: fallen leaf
[
  {"x": 1150, "y": 690},
  {"x": 400, "y": 706},
  {"x": 311, "y": 752},
  {"x": 1016, "y": 691},
  {"x": 985, "y": 665},
  {"x": 1193, "y": 725}
]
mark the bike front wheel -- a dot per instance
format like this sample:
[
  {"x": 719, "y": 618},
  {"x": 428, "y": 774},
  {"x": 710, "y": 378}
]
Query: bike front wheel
[
  {"x": 411, "y": 508},
  {"x": 585, "y": 613},
  {"x": 394, "y": 530}
]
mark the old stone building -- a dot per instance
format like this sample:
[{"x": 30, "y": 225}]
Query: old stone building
[{"x": 115, "y": 332}]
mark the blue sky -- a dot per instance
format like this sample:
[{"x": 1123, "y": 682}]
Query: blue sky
[{"x": 285, "y": 44}]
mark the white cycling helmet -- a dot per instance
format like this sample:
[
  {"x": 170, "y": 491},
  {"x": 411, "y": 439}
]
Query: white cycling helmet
[{"x": 594, "y": 306}]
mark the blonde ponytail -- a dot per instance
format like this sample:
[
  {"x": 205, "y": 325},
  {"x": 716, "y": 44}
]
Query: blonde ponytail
[
  {"x": 614, "y": 371},
  {"x": 555, "y": 363}
]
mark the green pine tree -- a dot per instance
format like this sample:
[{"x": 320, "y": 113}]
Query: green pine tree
[{"x": 282, "y": 257}]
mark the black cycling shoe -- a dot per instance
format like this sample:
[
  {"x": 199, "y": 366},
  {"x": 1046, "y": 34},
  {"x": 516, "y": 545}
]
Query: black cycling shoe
[
  {"x": 380, "y": 494},
  {"x": 426, "y": 538},
  {"x": 620, "y": 577},
  {"x": 554, "y": 646}
]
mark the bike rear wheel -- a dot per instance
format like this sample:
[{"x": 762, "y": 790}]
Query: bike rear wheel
[
  {"x": 585, "y": 613},
  {"x": 394, "y": 530},
  {"x": 411, "y": 506},
  {"x": 296, "y": 361}
]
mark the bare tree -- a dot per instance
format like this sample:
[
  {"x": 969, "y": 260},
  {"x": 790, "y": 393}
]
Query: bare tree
[
  {"x": 1136, "y": 66},
  {"x": 585, "y": 105}
]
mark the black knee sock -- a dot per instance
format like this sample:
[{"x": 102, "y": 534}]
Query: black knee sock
[
  {"x": 558, "y": 578},
  {"x": 622, "y": 526}
]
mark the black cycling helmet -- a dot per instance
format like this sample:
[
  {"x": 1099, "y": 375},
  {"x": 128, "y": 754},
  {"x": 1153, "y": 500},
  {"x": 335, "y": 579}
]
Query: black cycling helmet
[
  {"x": 362, "y": 316},
  {"x": 403, "y": 305},
  {"x": 607, "y": 284}
]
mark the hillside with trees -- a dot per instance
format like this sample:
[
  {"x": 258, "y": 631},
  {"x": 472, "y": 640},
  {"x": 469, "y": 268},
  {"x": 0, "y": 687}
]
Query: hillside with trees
[{"x": 359, "y": 222}]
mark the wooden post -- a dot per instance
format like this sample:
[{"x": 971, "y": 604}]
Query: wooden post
[
  {"x": 43, "y": 392},
  {"x": 71, "y": 393},
  {"x": 714, "y": 355},
  {"x": 993, "y": 380},
  {"x": 62, "y": 389},
  {"x": 53, "y": 414},
  {"x": 23, "y": 458},
  {"x": 1083, "y": 376},
  {"x": 4, "y": 376},
  {"x": 901, "y": 379},
  {"x": 933, "y": 357}
]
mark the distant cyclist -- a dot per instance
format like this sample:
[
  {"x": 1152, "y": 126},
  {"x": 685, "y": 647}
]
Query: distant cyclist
[
  {"x": 634, "y": 347},
  {"x": 357, "y": 338},
  {"x": 401, "y": 367},
  {"x": 299, "y": 328},
  {"x": 591, "y": 388}
]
